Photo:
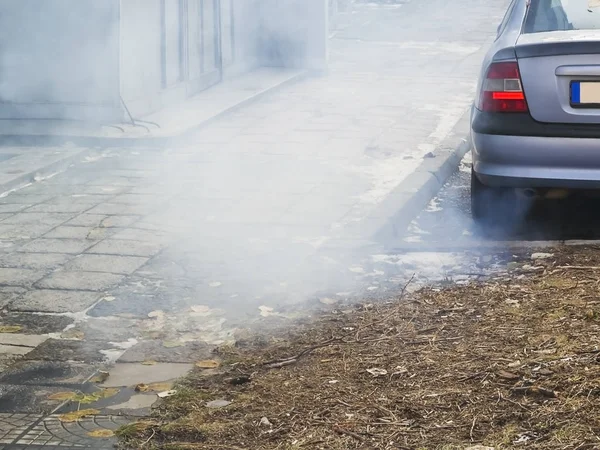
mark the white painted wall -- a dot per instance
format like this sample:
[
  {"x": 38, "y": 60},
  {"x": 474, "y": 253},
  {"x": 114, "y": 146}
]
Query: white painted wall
[
  {"x": 59, "y": 59},
  {"x": 140, "y": 55}
]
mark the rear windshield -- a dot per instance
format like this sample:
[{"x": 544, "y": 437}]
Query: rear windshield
[{"x": 561, "y": 15}]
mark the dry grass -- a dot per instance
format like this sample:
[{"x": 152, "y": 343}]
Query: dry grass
[{"x": 513, "y": 361}]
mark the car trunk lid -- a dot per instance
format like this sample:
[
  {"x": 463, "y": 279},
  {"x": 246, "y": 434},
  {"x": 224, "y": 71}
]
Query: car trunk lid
[{"x": 560, "y": 72}]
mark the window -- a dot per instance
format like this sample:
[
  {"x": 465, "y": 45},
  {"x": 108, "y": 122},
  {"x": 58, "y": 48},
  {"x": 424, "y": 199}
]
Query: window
[
  {"x": 504, "y": 22},
  {"x": 562, "y": 15}
]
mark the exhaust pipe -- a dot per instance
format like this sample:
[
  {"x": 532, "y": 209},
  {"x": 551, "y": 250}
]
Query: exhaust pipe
[{"x": 549, "y": 194}]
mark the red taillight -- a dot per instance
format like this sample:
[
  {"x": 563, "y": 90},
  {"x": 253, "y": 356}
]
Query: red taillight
[{"x": 502, "y": 90}]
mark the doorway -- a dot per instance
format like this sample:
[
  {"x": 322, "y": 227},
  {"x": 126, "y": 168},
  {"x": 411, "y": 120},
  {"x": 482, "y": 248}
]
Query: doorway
[
  {"x": 203, "y": 36},
  {"x": 198, "y": 43}
]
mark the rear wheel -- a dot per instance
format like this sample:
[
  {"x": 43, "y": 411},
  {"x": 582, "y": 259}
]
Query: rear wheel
[{"x": 496, "y": 207}]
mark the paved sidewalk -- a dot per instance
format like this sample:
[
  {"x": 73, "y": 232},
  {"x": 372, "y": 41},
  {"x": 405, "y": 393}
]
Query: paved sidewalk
[{"x": 153, "y": 254}]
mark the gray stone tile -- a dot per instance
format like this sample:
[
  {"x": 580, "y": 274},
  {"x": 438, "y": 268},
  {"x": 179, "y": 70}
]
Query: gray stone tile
[
  {"x": 80, "y": 281},
  {"x": 19, "y": 277},
  {"x": 55, "y": 301},
  {"x": 14, "y": 350},
  {"x": 20, "y": 232},
  {"x": 13, "y": 425},
  {"x": 36, "y": 323},
  {"x": 35, "y": 261},
  {"x": 9, "y": 294},
  {"x": 80, "y": 199},
  {"x": 156, "y": 351},
  {"x": 22, "y": 340},
  {"x": 127, "y": 305},
  {"x": 61, "y": 350},
  {"x": 87, "y": 220},
  {"x": 109, "y": 329},
  {"x": 72, "y": 246},
  {"x": 104, "y": 190},
  {"x": 60, "y": 208},
  {"x": 115, "y": 209},
  {"x": 114, "y": 181},
  {"x": 25, "y": 199},
  {"x": 68, "y": 232},
  {"x": 47, "y": 373},
  {"x": 109, "y": 209},
  {"x": 23, "y": 218},
  {"x": 12, "y": 207},
  {"x": 130, "y": 374},
  {"x": 136, "y": 234},
  {"x": 28, "y": 400},
  {"x": 126, "y": 248},
  {"x": 102, "y": 221},
  {"x": 139, "y": 199},
  {"x": 106, "y": 263}
]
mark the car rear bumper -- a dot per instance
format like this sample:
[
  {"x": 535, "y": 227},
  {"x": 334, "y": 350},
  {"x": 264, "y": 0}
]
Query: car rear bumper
[{"x": 536, "y": 161}]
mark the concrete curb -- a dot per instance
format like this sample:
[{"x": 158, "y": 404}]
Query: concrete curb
[
  {"x": 405, "y": 202},
  {"x": 107, "y": 142},
  {"x": 389, "y": 221}
]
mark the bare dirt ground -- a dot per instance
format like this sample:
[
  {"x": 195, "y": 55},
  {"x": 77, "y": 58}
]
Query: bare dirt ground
[{"x": 509, "y": 361}]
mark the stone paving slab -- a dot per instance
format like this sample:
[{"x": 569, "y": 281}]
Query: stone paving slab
[
  {"x": 126, "y": 248},
  {"x": 24, "y": 218},
  {"x": 80, "y": 281},
  {"x": 48, "y": 373},
  {"x": 9, "y": 294},
  {"x": 65, "y": 350},
  {"x": 14, "y": 350},
  {"x": 19, "y": 277},
  {"x": 111, "y": 329},
  {"x": 124, "y": 265},
  {"x": 55, "y": 301},
  {"x": 22, "y": 340},
  {"x": 51, "y": 433},
  {"x": 162, "y": 352},
  {"x": 102, "y": 221},
  {"x": 34, "y": 261},
  {"x": 12, "y": 425},
  {"x": 124, "y": 374},
  {"x": 30, "y": 399},
  {"x": 71, "y": 232},
  {"x": 36, "y": 323},
  {"x": 69, "y": 246}
]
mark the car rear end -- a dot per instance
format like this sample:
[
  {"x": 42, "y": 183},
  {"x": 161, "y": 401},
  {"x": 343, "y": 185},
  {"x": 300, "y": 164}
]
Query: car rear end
[{"x": 536, "y": 120}]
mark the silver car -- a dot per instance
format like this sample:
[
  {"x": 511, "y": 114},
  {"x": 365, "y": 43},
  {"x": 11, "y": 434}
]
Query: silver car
[{"x": 535, "y": 122}]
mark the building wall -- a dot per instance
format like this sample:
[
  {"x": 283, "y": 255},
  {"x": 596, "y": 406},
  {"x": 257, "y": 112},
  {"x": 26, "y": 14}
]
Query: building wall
[
  {"x": 84, "y": 59},
  {"x": 140, "y": 54},
  {"x": 59, "y": 59}
]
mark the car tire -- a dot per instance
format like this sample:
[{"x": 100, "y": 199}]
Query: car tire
[{"x": 496, "y": 207}]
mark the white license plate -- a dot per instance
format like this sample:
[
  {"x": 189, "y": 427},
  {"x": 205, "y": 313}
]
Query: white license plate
[{"x": 585, "y": 93}]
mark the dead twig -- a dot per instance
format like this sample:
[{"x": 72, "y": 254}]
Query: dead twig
[
  {"x": 278, "y": 363},
  {"x": 501, "y": 397},
  {"x": 535, "y": 390},
  {"x": 473, "y": 428},
  {"x": 150, "y": 438},
  {"x": 386, "y": 318},
  {"x": 432, "y": 341},
  {"x": 358, "y": 437}
]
